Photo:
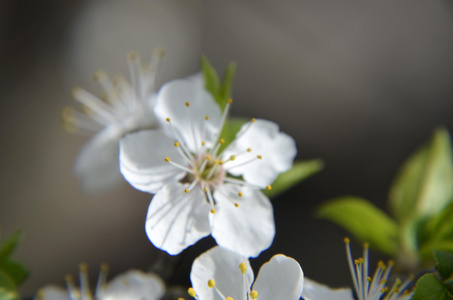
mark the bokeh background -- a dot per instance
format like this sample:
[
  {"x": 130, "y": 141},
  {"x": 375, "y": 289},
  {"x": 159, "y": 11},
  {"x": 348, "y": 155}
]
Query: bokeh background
[{"x": 360, "y": 84}]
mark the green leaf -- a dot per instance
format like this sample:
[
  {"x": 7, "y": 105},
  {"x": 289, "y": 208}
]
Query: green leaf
[
  {"x": 300, "y": 171},
  {"x": 15, "y": 270},
  {"x": 444, "y": 263},
  {"x": 424, "y": 185},
  {"x": 429, "y": 287},
  {"x": 211, "y": 79},
  {"x": 226, "y": 88},
  {"x": 363, "y": 220},
  {"x": 7, "y": 288},
  {"x": 8, "y": 245},
  {"x": 230, "y": 129}
]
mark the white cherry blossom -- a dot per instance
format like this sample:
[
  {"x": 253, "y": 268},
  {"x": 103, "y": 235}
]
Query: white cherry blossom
[
  {"x": 220, "y": 274},
  {"x": 199, "y": 189},
  {"x": 132, "y": 285},
  {"x": 124, "y": 107}
]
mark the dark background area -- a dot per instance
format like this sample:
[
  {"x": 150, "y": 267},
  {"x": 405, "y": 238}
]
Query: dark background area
[{"x": 360, "y": 85}]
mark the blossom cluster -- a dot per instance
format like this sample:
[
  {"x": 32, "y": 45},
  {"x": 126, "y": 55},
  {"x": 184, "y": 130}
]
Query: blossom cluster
[{"x": 171, "y": 144}]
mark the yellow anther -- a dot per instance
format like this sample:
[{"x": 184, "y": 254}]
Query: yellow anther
[
  {"x": 186, "y": 191},
  {"x": 236, "y": 204},
  {"x": 167, "y": 159},
  {"x": 181, "y": 298},
  {"x": 268, "y": 187},
  {"x": 205, "y": 189},
  {"x": 232, "y": 157},
  {"x": 383, "y": 281},
  {"x": 240, "y": 194},
  {"x": 259, "y": 157},
  {"x": 249, "y": 149},
  {"x": 356, "y": 261},
  {"x": 391, "y": 263},
  {"x": 187, "y": 104},
  {"x": 368, "y": 279},
  {"x": 212, "y": 211},
  {"x": 105, "y": 267},
  {"x": 191, "y": 292},
  {"x": 253, "y": 294},
  {"x": 220, "y": 162},
  {"x": 76, "y": 90},
  {"x": 167, "y": 119},
  {"x": 83, "y": 267},
  {"x": 253, "y": 120},
  {"x": 216, "y": 161},
  {"x": 206, "y": 117},
  {"x": 222, "y": 141},
  {"x": 133, "y": 55},
  {"x": 176, "y": 144},
  {"x": 229, "y": 298},
  {"x": 229, "y": 101},
  {"x": 100, "y": 76},
  {"x": 397, "y": 281},
  {"x": 69, "y": 278},
  {"x": 208, "y": 157},
  {"x": 211, "y": 283},
  {"x": 203, "y": 143},
  {"x": 243, "y": 267},
  {"x": 68, "y": 113},
  {"x": 366, "y": 245},
  {"x": 346, "y": 240}
]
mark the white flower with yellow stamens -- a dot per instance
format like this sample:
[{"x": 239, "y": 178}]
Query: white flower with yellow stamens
[
  {"x": 366, "y": 287},
  {"x": 220, "y": 274},
  {"x": 123, "y": 108},
  {"x": 183, "y": 166},
  {"x": 132, "y": 285}
]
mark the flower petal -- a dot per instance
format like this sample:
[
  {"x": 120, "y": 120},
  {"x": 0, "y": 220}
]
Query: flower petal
[
  {"x": 188, "y": 121},
  {"x": 52, "y": 292},
  {"x": 96, "y": 165},
  {"x": 222, "y": 265},
  {"x": 247, "y": 229},
  {"x": 177, "y": 219},
  {"x": 142, "y": 160},
  {"x": 264, "y": 138},
  {"x": 134, "y": 285},
  {"x": 280, "y": 278},
  {"x": 317, "y": 291}
]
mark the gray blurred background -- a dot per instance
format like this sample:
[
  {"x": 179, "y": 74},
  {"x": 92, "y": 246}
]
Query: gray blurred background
[{"x": 360, "y": 84}]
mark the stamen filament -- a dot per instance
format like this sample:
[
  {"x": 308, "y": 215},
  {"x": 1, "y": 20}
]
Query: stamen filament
[
  {"x": 102, "y": 279},
  {"x": 167, "y": 159},
  {"x": 222, "y": 121},
  {"x": 249, "y": 124},
  {"x": 244, "y": 163},
  {"x": 180, "y": 140},
  {"x": 94, "y": 103},
  {"x": 241, "y": 183}
]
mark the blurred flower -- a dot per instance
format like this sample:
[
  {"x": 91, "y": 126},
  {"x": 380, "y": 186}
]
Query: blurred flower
[
  {"x": 123, "y": 108},
  {"x": 132, "y": 285},
  {"x": 222, "y": 274},
  {"x": 183, "y": 165},
  {"x": 366, "y": 288}
]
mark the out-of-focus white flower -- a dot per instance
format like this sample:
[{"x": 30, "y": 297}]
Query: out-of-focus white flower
[
  {"x": 222, "y": 274},
  {"x": 124, "y": 107},
  {"x": 132, "y": 285},
  {"x": 366, "y": 287},
  {"x": 183, "y": 166}
]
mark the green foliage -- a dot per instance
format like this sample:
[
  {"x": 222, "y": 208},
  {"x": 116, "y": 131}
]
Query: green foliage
[
  {"x": 424, "y": 185},
  {"x": 365, "y": 221},
  {"x": 12, "y": 273},
  {"x": 437, "y": 286},
  {"x": 221, "y": 91},
  {"x": 301, "y": 170}
]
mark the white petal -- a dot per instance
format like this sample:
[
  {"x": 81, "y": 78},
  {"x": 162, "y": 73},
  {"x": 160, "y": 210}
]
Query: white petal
[
  {"x": 247, "y": 229},
  {"x": 177, "y": 219},
  {"x": 134, "y": 285},
  {"x": 317, "y": 291},
  {"x": 52, "y": 292},
  {"x": 264, "y": 138},
  {"x": 142, "y": 160},
  {"x": 96, "y": 165},
  {"x": 188, "y": 121},
  {"x": 222, "y": 265},
  {"x": 280, "y": 278}
]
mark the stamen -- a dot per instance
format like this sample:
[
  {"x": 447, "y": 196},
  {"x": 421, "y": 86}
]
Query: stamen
[
  {"x": 210, "y": 199},
  {"x": 94, "y": 103},
  {"x": 254, "y": 294},
  {"x": 191, "y": 186},
  {"x": 183, "y": 154},
  {"x": 194, "y": 137},
  {"x": 73, "y": 292},
  {"x": 84, "y": 283},
  {"x": 351, "y": 266},
  {"x": 102, "y": 279},
  {"x": 245, "y": 162},
  {"x": 180, "y": 140},
  {"x": 242, "y": 132},
  {"x": 243, "y": 267},
  {"x": 192, "y": 293},
  {"x": 223, "y": 119},
  {"x": 241, "y": 182},
  {"x": 133, "y": 59},
  {"x": 168, "y": 160}
]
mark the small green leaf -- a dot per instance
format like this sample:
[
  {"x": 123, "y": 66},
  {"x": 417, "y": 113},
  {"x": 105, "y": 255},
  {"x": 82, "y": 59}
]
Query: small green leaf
[
  {"x": 429, "y": 287},
  {"x": 365, "y": 221},
  {"x": 15, "y": 270},
  {"x": 211, "y": 79},
  {"x": 226, "y": 88},
  {"x": 7, "y": 288},
  {"x": 8, "y": 245},
  {"x": 300, "y": 171},
  {"x": 444, "y": 263},
  {"x": 424, "y": 185}
]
